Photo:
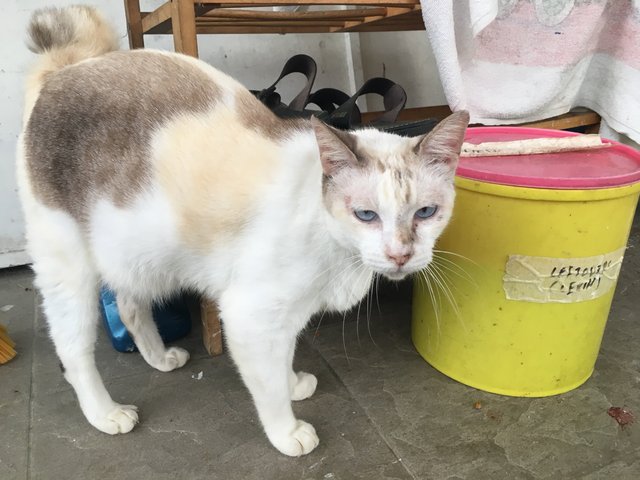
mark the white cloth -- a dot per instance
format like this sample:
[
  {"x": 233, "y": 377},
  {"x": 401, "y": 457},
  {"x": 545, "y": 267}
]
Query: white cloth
[{"x": 514, "y": 61}]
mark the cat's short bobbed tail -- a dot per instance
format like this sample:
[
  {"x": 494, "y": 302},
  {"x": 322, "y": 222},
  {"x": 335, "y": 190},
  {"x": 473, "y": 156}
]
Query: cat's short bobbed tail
[
  {"x": 62, "y": 37},
  {"x": 81, "y": 31}
]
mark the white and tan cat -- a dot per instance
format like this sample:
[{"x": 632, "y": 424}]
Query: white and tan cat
[{"x": 153, "y": 172}]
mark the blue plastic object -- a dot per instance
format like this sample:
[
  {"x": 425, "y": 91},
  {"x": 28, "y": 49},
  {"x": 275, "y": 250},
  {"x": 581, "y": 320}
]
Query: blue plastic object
[{"x": 172, "y": 318}]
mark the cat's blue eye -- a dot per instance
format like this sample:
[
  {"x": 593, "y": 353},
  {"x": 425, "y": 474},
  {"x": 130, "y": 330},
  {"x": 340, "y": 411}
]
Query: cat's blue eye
[
  {"x": 365, "y": 215},
  {"x": 426, "y": 212}
]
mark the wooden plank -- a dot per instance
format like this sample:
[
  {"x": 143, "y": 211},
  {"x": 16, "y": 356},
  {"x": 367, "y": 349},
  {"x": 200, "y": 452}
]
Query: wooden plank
[
  {"x": 157, "y": 19},
  {"x": 270, "y": 3},
  {"x": 209, "y": 29},
  {"x": 183, "y": 26},
  {"x": 134, "y": 23},
  {"x": 591, "y": 129},
  {"x": 561, "y": 122},
  {"x": 400, "y": 17},
  {"x": 376, "y": 27},
  {"x": 306, "y": 27},
  {"x": 268, "y": 23},
  {"x": 310, "y": 16},
  {"x": 568, "y": 120},
  {"x": 357, "y": 23},
  {"x": 211, "y": 327},
  {"x": 397, "y": 23}
]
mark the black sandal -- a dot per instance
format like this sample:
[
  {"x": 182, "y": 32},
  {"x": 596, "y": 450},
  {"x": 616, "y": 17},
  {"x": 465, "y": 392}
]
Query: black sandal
[
  {"x": 328, "y": 99},
  {"x": 348, "y": 116},
  {"x": 337, "y": 108},
  {"x": 297, "y": 64}
]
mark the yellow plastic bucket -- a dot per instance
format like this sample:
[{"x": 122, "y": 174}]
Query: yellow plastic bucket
[{"x": 518, "y": 304}]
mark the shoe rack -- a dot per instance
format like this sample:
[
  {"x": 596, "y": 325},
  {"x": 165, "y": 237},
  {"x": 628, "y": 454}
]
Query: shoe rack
[{"x": 185, "y": 19}]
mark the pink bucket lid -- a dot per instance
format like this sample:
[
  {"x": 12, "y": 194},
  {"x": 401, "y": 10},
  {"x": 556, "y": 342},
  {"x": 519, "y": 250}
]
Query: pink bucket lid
[{"x": 614, "y": 166}]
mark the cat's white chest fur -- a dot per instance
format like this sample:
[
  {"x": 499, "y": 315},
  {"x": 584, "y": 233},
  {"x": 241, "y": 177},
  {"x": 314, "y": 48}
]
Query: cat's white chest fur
[{"x": 346, "y": 286}]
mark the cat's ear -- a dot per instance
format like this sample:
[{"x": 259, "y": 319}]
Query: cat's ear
[
  {"x": 335, "y": 146},
  {"x": 442, "y": 145}
]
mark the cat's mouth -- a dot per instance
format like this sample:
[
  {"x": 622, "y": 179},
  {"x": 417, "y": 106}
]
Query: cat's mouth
[{"x": 396, "y": 275}]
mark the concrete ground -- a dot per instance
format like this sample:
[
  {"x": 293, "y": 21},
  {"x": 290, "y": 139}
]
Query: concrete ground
[{"x": 382, "y": 413}]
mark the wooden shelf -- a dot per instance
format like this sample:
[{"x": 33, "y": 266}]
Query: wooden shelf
[
  {"x": 576, "y": 118},
  {"x": 241, "y": 16}
]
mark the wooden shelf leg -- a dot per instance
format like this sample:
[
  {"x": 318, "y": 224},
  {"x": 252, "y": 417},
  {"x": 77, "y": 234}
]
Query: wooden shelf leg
[
  {"x": 134, "y": 23},
  {"x": 183, "y": 24},
  {"x": 211, "y": 327}
]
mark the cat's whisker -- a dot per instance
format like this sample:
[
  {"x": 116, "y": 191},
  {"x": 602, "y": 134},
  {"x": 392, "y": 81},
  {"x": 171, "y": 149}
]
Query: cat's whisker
[
  {"x": 315, "y": 334},
  {"x": 449, "y": 295},
  {"x": 350, "y": 272},
  {"x": 361, "y": 269},
  {"x": 358, "y": 320},
  {"x": 424, "y": 276},
  {"x": 440, "y": 281},
  {"x": 322, "y": 272},
  {"x": 439, "y": 257},
  {"x": 459, "y": 255},
  {"x": 371, "y": 291},
  {"x": 444, "y": 274},
  {"x": 344, "y": 343},
  {"x": 446, "y": 289},
  {"x": 329, "y": 285},
  {"x": 358, "y": 323},
  {"x": 370, "y": 305},
  {"x": 377, "y": 285},
  {"x": 454, "y": 268}
]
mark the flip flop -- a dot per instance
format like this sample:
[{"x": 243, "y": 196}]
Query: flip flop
[
  {"x": 297, "y": 64},
  {"x": 348, "y": 116},
  {"x": 336, "y": 107}
]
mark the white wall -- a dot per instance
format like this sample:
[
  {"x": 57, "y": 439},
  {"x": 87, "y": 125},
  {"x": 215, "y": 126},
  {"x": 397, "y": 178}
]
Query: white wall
[
  {"x": 255, "y": 60},
  {"x": 407, "y": 59}
]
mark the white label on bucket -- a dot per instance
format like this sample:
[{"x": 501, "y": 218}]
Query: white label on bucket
[{"x": 561, "y": 280}]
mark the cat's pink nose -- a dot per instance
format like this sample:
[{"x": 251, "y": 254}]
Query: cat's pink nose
[{"x": 399, "y": 260}]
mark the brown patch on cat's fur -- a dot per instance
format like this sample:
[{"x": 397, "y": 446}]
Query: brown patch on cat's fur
[
  {"x": 256, "y": 116},
  {"x": 406, "y": 234},
  {"x": 88, "y": 134},
  {"x": 214, "y": 169}
]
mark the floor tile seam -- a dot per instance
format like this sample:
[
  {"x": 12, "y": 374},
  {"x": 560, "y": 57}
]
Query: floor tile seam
[{"x": 369, "y": 418}]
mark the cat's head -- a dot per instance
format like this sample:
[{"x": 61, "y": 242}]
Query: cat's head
[{"x": 389, "y": 197}]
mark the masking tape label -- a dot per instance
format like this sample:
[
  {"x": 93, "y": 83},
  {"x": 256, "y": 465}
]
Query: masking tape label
[{"x": 561, "y": 280}]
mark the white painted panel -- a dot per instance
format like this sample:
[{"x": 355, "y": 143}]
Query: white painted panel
[{"x": 407, "y": 59}]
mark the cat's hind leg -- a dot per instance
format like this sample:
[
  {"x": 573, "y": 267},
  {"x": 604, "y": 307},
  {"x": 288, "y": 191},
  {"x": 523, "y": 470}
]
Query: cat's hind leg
[
  {"x": 137, "y": 317},
  {"x": 68, "y": 283}
]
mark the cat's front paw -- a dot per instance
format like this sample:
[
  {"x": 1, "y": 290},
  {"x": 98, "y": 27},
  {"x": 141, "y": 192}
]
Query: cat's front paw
[
  {"x": 304, "y": 386},
  {"x": 121, "y": 419},
  {"x": 299, "y": 442},
  {"x": 174, "y": 357}
]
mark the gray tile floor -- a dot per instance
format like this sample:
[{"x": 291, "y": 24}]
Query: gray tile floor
[{"x": 380, "y": 413}]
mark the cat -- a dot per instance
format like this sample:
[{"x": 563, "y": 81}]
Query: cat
[{"x": 152, "y": 172}]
